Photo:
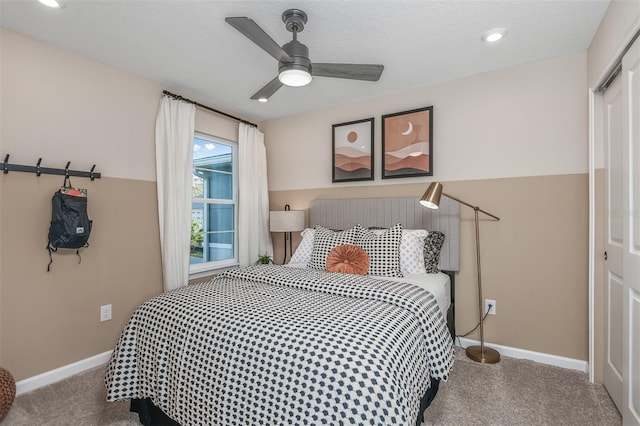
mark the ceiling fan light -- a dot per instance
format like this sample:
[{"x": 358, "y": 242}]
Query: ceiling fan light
[{"x": 294, "y": 77}]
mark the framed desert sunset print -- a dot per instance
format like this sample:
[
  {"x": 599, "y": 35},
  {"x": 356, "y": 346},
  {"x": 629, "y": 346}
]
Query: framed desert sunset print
[
  {"x": 407, "y": 143},
  {"x": 353, "y": 151}
]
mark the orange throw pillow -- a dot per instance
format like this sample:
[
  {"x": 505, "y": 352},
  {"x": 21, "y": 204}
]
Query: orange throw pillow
[{"x": 348, "y": 259}]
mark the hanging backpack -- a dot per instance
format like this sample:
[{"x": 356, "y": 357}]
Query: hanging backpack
[{"x": 70, "y": 224}]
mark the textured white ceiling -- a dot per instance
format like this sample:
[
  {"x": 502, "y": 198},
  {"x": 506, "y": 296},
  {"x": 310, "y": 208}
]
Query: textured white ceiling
[{"x": 189, "y": 48}]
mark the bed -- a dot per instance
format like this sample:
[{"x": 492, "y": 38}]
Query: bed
[{"x": 299, "y": 345}]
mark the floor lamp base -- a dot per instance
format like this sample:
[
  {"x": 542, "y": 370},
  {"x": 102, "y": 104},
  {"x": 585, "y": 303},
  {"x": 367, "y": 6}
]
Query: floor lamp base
[{"x": 490, "y": 356}]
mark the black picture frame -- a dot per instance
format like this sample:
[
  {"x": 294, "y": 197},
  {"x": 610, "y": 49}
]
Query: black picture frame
[
  {"x": 352, "y": 151},
  {"x": 407, "y": 143}
]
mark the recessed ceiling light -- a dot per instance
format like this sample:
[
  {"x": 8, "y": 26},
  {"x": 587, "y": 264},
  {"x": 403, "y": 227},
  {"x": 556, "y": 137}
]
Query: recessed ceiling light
[
  {"x": 50, "y": 3},
  {"x": 262, "y": 99},
  {"x": 494, "y": 35}
]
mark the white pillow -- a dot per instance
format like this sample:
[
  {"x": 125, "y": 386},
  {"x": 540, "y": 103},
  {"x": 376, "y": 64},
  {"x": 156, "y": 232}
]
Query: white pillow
[
  {"x": 305, "y": 248},
  {"x": 411, "y": 250}
]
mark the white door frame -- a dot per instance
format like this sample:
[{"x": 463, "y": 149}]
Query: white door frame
[{"x": 592, "y": 234}]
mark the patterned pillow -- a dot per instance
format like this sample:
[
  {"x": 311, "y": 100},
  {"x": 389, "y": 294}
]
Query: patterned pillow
[
  {"x": 303, "y": 252},
  {"x": 432, "y": 245},
  {"x": 383, "y": 250},
  {"x": 325, "y": 239},
  {"x": 348, "y": 259},
  {"x": 411, "y": 250}
]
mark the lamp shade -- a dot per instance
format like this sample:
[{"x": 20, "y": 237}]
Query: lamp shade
[
  {"x": 286, "y": 220},
  {"x": 431, "y": 197}
]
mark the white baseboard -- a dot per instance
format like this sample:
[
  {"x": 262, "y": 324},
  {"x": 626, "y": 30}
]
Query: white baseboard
[
  {"x": 61, "y": 373},
  {"x": 555, "y": 360}
]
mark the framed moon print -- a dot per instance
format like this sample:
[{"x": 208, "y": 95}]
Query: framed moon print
[
  {"x": 353, "y": 151},
  {"x": 407, "y": 143}
]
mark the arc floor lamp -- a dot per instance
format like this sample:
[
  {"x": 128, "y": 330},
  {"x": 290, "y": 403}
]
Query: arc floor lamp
[{"x": 431, "y": 199}]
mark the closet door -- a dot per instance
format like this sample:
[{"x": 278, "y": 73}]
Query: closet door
[
  {"x": 631, "y": 231},
  {"x": 614, "y": 234}
]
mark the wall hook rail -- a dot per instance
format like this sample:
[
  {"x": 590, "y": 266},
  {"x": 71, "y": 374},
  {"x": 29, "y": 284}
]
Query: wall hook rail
[{"x": 39, "y": 170}]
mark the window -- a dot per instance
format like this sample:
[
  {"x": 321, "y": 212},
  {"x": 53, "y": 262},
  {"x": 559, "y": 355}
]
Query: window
[{"x": 214, "y": 210}]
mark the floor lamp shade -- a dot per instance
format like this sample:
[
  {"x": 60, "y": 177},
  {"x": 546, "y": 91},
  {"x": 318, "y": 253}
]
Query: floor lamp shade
[
  {"x": 431, "y": 199},
  {"x": 286, "y": 221}
]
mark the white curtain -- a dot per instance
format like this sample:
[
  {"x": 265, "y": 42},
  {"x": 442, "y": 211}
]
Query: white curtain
[
  {"x": 254, "y": 238},
  {"x": 175, "y": 126}
]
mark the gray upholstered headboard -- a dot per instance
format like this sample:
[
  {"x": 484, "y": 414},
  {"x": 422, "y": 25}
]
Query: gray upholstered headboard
[{"x": 386, "y": 212}]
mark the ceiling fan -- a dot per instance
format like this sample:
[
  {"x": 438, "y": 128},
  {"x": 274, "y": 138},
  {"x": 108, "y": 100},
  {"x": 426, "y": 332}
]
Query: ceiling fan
[{"x": 294, "y": 66}]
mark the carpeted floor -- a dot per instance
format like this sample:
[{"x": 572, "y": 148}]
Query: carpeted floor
[
  {"x": 512, "y": 392},
  {"x": 519, "y": 392}
]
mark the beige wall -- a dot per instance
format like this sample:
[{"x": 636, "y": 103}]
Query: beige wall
[
  {"x": 534, "y": 261},
  {"x": 513, "y": 141},
  {"x": 65, "y": 107},
  {"x": 50, "y": 319}
]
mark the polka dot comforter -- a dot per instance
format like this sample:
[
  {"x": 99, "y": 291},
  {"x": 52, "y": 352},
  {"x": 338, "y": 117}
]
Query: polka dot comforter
[{"x": 277, "y": 346}]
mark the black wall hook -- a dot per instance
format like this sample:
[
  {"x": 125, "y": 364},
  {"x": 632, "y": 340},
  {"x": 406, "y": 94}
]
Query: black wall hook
[{"x": 39, "y": 170}]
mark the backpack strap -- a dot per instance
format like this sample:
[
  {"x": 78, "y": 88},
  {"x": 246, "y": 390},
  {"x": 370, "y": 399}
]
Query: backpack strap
[
  {"x": 78, "y": 252},
  {"x": 51, "y": 249}
]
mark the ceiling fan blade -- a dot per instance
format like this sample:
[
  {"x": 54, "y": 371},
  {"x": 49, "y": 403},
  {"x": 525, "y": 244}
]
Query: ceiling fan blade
[
  {"x": 369, "y": 72},
  {"x": 253, "y": 32},
  {"x": 269, "y": 89}
]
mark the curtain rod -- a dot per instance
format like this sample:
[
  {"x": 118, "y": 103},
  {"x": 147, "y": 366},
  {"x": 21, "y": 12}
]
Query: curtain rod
[{"x": 173, "y": 95}]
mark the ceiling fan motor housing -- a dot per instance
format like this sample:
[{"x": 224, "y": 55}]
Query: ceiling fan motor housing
[{"x": 300, "y": 55}]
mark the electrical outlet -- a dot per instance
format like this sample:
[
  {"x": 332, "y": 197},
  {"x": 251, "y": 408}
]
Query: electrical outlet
[
  {"x": 105, "y": 313},
  {"x": 488, "y": 302}
]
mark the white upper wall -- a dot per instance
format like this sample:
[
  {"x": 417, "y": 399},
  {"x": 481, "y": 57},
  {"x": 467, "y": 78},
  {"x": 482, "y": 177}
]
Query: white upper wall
[
  {"x": 618, "y": 26},
  {"x": 523, "y": 121},
  {"x": 529, "y": 120},
  {"x": 60, "y": 106}
]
